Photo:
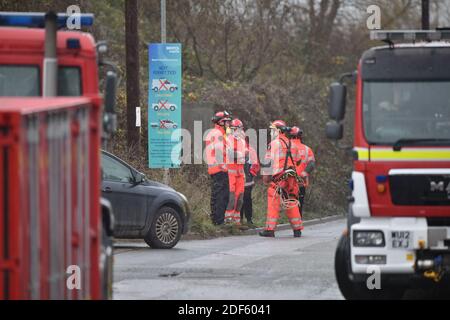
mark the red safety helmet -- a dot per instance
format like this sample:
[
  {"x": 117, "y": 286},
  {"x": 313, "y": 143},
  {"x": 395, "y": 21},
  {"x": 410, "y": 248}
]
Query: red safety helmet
[
  {"x": 278, "y": 124},
  {"x": 237, "y": 124},
  {"x": 296, "y": 132},
  {"x": 221, "y": 117}
]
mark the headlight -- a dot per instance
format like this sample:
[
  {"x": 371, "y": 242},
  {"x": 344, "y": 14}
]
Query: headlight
[{"x": 368, "y": 239}]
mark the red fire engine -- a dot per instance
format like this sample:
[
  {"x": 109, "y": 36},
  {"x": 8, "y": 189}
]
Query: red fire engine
[
  {"x": 51, "y": 214},
  {"x": 399, "y": 212}
]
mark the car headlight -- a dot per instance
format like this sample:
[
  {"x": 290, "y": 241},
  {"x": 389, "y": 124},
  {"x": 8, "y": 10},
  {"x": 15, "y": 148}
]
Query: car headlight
[{"x": 368, "y": 239}]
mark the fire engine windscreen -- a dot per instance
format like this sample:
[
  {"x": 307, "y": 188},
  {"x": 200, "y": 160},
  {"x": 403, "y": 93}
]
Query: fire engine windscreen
[
  {"x": 411, "y": 110},
  {"x": 24, "y": 81},
  {"x": 19, "y": 81}
]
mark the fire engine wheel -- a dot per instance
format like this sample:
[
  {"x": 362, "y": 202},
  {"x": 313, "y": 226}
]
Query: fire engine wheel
[
  {"x": 165, "y": 231},
  {"x": 357, "y": 290},
  {"x": 106, "y": 265}
]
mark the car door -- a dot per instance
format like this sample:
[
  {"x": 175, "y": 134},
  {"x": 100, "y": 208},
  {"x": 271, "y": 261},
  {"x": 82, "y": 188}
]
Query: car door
[{"x": 128, "y": 199}]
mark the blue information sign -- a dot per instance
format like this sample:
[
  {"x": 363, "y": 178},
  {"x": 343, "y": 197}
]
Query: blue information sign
[{"x": 164, "y": 106}]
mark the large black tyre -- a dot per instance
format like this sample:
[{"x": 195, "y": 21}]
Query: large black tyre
[
  {"x": 342, "y": 268},
  {"x": 106, "y": 265},
  {"x": 166, "y": 229},
  {"x": 357, "y": 290}
]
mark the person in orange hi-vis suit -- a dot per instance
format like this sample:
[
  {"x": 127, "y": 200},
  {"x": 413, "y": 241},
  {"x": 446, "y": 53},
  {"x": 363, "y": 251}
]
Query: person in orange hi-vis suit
[
  {"x": 281, "y": 177},
  {"x": 236, "y": 151},
  {"x": 307, "y": 165},
  {"x": 215, "y": 154}
]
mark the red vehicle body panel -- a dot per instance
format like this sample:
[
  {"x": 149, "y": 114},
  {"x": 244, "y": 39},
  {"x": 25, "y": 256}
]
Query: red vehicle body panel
[
  {"x": 22, "y": 46},
  {"x": 49, "y": 197},
  {"x": 381, "y": 203}
]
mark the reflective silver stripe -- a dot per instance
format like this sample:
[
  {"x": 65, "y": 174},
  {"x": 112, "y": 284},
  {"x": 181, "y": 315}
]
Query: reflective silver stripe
[
  {"x": 307, "y": 154},
  {"x": 34, "y": 199},
  {"x": 220, "y": 166},
  {"x": 295, "y": 219},
  {"x": 84, "y": 192},
  {"x": 240, "y": 171},
  {"x": 68, "y": 199},
  {"x": 53, "y": 198}
]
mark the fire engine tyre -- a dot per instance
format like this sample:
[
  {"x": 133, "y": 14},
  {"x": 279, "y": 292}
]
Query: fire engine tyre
[
  {"x": 166, "y": 229},
  {"x": 357, "y": 290},
  {"x": 106, "y": 256}
]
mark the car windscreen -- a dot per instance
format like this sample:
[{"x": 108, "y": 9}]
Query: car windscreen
[
  {"x": 19, "y": 81},
  {"x": 411, "y": 110}
]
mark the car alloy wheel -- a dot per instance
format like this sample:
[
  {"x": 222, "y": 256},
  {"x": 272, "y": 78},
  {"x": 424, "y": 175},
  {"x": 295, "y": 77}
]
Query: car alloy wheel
[{"x": 167, "y": 228}]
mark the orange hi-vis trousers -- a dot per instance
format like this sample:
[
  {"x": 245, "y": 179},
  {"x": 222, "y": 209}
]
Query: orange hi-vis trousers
[
  {"x": 273, "y": 207},
  {"x": 236, "y": 177}
]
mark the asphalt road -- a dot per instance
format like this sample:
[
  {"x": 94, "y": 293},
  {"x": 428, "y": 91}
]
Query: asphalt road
[{"x": 239, "y": 267}]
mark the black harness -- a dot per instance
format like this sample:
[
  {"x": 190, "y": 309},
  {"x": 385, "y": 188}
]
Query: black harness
[
  {"x": 284, "y": 175},
  {"x": 288, "y": 145}
]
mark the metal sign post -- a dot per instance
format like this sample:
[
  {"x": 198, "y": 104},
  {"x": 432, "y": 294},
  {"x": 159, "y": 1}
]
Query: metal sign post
[
  {"x": 163, "y": 22},
  {"x": 166, "y": 178}
]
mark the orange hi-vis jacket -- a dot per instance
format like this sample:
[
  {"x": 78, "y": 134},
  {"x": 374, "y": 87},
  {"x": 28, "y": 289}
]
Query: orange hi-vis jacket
[
  {"x": 236, "y": 151},
  {"x": 215, "y": 151},
  {"x": 235, "y": 155},
  {"x": 277, "y": 154},
  {"x": 307, "y": 156}
]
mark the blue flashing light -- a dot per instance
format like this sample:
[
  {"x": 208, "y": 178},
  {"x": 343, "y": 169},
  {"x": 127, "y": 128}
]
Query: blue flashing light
[
  {"x": 73, "y": 44},
  {"x": 381, "y": 179},
  {"x": 37, "y": 19}
]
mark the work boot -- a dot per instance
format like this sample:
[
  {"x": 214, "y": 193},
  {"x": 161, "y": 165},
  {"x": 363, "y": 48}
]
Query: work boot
[
  {"x": 251, "y": 225},
  {"x": 267, "y": 233},
  {"x": 297, "y": 233}
]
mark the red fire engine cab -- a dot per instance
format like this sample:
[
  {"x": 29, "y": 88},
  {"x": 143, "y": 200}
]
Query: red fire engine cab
[
  {"x": 399, "y": 213},
  {"x": 52, "y": 219}
]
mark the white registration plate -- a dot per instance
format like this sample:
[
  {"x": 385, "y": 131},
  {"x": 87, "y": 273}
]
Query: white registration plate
[{"x": 401, "y": 239}]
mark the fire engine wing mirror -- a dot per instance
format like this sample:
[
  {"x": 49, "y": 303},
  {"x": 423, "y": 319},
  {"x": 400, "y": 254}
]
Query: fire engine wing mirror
[
  {"x": 110, "y": 118},
  {"x": 334, "y": 130},
  {"x": 336, "y": 103}
]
